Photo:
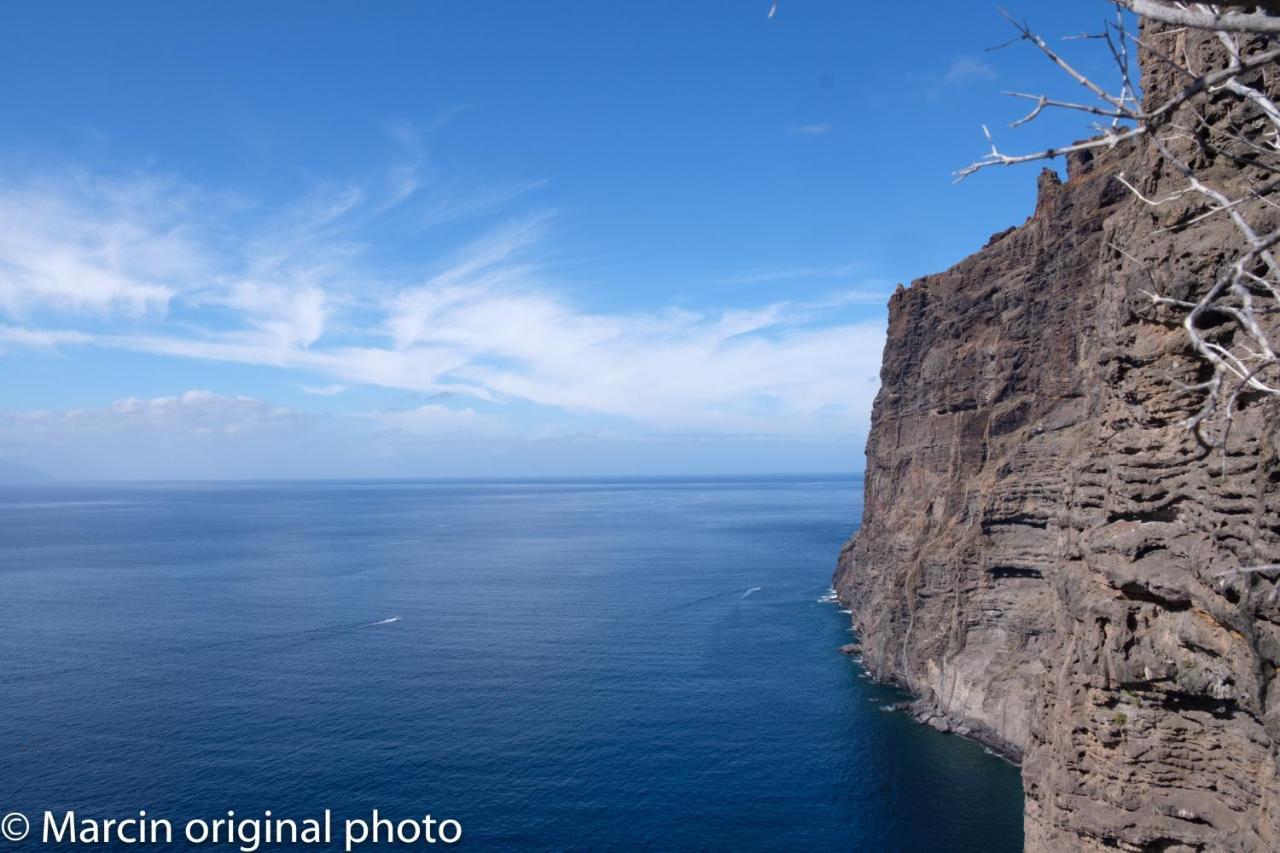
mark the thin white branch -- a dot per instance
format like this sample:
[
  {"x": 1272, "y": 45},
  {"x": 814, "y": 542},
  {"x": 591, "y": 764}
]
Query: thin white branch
[
  {"x": 996, "y": 158},
  {"x": 1229, "y": 321},
  {"x": 1203, "y": 18},
  {"x": 1043, "y": 102}
]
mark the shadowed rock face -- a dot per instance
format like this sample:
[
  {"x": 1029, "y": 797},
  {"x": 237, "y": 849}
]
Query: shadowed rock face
[{"x": 1041, "y": 537}]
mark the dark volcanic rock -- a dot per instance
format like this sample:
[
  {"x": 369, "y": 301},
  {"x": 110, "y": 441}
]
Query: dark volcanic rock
[{"x": 1039, "y": 555}]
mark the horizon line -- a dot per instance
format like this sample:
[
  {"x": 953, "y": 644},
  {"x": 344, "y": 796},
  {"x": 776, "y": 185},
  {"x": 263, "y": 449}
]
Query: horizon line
[{"x": 538, "y": 478}]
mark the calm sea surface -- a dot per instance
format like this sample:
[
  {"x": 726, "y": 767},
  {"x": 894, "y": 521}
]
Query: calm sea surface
[{"x": 577, "y": 665}]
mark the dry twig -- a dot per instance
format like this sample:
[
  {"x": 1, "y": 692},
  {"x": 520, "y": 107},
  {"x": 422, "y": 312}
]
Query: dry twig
[{"x": 1242, "y": 353}]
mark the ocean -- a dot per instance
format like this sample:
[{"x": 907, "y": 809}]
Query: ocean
[{"x": 570, "y": 665}]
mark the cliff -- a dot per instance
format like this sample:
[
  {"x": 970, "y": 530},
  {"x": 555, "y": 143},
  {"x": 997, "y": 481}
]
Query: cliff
[{"x": 1042, "y": 537}]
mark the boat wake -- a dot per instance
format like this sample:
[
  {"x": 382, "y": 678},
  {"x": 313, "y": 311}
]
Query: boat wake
[{"x": 717, "y": 597}]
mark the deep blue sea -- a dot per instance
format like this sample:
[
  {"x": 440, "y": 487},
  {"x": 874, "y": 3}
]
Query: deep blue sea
[{"x": 597, "y": 665}]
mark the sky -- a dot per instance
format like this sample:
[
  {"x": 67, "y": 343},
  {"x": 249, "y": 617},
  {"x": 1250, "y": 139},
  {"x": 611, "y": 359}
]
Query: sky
[{"x": 452, "y": 239}]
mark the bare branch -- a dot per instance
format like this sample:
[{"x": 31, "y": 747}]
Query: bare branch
[
  {"x": 1062, "y": 63},
  {"x": 996, "y": 158},
  {"x": 1203, "y": 18},
  {"x": 1245, "y": 289},
  {"x": 1043, "y": 102}
]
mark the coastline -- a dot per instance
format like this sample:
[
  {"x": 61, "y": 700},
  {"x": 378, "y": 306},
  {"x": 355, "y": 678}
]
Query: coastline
[{"x": 917, "y": 706}]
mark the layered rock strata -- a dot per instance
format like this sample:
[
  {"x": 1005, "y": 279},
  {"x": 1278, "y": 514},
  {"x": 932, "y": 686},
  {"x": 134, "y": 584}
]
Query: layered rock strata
[{"x": 1042, "y": 537}]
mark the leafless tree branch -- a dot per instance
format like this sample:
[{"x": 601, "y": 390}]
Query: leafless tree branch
[
  {"x": 1205, "y": 17},
  {"x": 1245, "y": 131}
]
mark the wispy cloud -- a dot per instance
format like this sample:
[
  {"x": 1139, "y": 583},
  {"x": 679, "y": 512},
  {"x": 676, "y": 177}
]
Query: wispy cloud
[
  {"x": 325, "y": 390},
  {"x": 433, "y": 420},
  {"x": 818, "y": 129},
  {"x": 195, "y": 412},
  {"x": 41, "y": 337},
  {"x": 967, "y": 69},
  {"x": 84, "y": 245},
  {"x": 452, "y": 203},
  {"x": 160, "y": 267},
  {"x": 808, "y": 271},
  {"x": 196, "y": 434}
]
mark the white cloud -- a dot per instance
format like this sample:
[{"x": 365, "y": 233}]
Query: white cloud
[
  {"x": 41, "y": 337},
  {"x": 83, "y": 244},
  {"x": 795, "y": 273},
  {"x": 202, "y": 435},
  {"x": 168, "y": 270},
  {"x": 967, "y": 69},
  {"x": 450, "y": 203},
  {"x": 194, "y": 412},
  {"x": 196, "y": 434},
  {"x": 817, "y": 129},
  {"x": 325, "y": 390},
  {"x": 433, "y": 420},
  {"x": 292, "y": 315}
]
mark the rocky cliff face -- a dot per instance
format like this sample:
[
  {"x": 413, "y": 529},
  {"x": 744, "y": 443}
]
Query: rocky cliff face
[{"x": 1039, "y": 555}]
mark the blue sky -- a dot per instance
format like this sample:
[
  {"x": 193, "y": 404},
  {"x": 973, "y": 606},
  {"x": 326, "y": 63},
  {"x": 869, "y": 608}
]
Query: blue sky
[{"x": 423, "y": 238}]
